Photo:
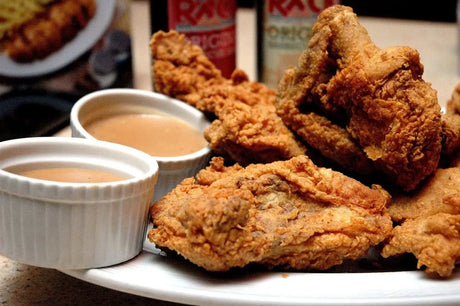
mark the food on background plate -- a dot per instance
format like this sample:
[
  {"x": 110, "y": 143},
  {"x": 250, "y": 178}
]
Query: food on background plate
[
  {"x": 373, "y": 99},
  {"x": 290, "y": 214},
  {"x": 32, "y": 29},
  {"x": 246, "y": 129}
]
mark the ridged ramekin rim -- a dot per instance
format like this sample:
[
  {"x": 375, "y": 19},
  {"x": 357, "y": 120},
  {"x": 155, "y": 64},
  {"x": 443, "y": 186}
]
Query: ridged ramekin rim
[
  {"x": 25, "y": 187},
  {"x": 77, "y": 127}
]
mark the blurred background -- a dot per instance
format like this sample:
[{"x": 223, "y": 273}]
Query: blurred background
[{"x": 444, "y": 10}]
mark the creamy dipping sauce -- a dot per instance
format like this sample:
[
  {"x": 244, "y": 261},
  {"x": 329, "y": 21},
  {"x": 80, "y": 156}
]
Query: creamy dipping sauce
[
  {"x": 154, "y": 134},
  {"x": 71, "y": 175}
]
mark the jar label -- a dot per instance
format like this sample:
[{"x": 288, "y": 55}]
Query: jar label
[
  {"x": 209, "y": 24},
  {"x": 286, "y": 32}
]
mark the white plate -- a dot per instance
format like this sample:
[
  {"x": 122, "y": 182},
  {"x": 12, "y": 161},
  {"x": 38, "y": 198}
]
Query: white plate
[
  {"x": 84, "y": 40},
  {"x": 175, "y": 280}
]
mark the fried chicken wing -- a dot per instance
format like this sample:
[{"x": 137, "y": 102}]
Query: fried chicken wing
[
  {"x": 247, "y": 128},
  {"x": 430, "y": 223},
  {"x": 375, "y": 96},
  {"x": 289, "y": 214}
]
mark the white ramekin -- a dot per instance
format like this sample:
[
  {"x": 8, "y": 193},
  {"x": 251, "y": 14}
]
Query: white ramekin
[
  {"x": 74, "y": 225},
  {"x": 172, "y": 169}
]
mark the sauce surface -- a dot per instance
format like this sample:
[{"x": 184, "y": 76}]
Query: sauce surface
[
  {"x": 156, "y": 135},
  {"x": 71, "y": 175}
]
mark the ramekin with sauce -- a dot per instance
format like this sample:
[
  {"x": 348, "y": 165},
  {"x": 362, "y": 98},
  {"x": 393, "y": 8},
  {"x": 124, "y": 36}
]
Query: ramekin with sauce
[
  {"x": 71, "y": 203},
  {"x": 169, "y": 130}
]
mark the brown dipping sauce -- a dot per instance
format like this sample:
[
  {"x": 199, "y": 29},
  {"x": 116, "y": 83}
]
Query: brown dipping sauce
[
  {"x": 71, "y": 175},
  {"x": 154, "y": 134}
]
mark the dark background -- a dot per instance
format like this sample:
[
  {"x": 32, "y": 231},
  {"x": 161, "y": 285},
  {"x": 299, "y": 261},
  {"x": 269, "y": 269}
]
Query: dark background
[{"x": 440, "y": 10}]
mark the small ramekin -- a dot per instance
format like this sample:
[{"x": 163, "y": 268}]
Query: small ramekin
[
  {"x": 172, "y": 169},
  {"x": 74, "y": 225}
]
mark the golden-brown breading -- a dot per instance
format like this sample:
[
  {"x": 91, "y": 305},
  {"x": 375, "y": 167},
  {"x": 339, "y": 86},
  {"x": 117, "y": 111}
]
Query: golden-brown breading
[
  {"x": 180, "y": 69},
  {"x": 247, "y": 128},
  {"x": 434, "y": 196},
  {"x": 290, "y": 214},
  {"x": 451, "y": 134},
  {"x": 251, "y": 134},
  {"x": 391, "y": 114},
  {"x": 453, "y": 105},
  {"x": 434, "y": 240},
  {"x": 332, "y": 140},
  {"x": 238, "y": 89},
  {"x": 430, "y": 223},
  {"x": 451, "y": 125}
]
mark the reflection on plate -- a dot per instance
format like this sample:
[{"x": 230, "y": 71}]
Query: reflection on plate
[
  {"x": 85, "y": 39},
  {"x": 171, "y": 279}
]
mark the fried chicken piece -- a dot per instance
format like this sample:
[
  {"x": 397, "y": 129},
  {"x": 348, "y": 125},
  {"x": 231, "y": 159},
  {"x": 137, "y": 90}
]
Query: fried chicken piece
[
  {"x": 333, "y": 141},
  {"x": 251, "y": 134},
  {"x": 377, "y": 95},
  {"x": 435, "y": 196},
  {"x": 180, "y": 69},
  {"x": 430, "y": 223},
  {"x": 453, "y": 105},
  {"x": 298, "y": 101},
  {"x": 247, "y": 128},
  {"x": 237, "y": 89},
  {"x": 434, "y": 240},
  {"x": 289, "y": 214},
  {"x": 451, "y": 125}
]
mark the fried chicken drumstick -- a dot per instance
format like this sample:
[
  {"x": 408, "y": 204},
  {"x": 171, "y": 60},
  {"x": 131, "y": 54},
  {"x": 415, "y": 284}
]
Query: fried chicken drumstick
[
  {"x": 290, "y": 214},
  {"x": 247, "y": 128},
  {"x": 376, "y": 98}
]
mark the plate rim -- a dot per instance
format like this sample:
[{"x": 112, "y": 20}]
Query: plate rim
[
  {"x": 119, "y": 278},
  {"x": 84, "y": 40}
]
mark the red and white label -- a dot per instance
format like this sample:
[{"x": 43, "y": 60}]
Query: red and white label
[{"x": 209, "y": 24}]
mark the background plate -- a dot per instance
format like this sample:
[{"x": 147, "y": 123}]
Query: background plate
[{"x": 84, "y": 40}]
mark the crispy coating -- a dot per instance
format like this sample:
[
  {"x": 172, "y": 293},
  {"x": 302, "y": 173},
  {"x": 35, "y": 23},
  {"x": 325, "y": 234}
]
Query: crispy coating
[
  {"x": 180, "y": 69},
  {"x": 288, "y": 214},
  {"x": 251, "y": 134},
  {"x": 375, "y": 95},
  {"x": 453, "y": 105},
  {"x": 430, "y": 223},
  {"x": 434, "y": 240},
  {"x": 451, "y": 125},
  {"x": 247, "y": 128},
  {"x": 436, "y": 195}
]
